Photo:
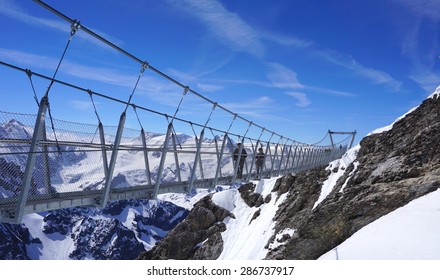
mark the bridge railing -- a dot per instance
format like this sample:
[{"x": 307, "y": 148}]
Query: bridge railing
[{"x": 70, "y": 169}]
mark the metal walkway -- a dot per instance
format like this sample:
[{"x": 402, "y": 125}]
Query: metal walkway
[{"x": 48, "y": 164}]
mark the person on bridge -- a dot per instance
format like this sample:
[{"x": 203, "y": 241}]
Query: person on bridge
[
  {"x": 259, "y": 161},
  {"x": 242, "y": 159}
]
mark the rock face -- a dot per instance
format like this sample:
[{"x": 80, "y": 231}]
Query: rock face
[
  {"x": 393, "y": 168},
  {"x": 197, "y": 237},
  {"x": 13, "y": 241}
]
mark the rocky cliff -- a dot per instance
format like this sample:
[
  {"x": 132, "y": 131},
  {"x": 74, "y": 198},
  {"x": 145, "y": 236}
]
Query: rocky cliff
[{"x": 391, "y": 169}]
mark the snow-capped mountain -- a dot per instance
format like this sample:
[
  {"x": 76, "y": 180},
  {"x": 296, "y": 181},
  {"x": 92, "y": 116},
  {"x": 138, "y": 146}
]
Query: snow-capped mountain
[{"x": 120, "y": 231}]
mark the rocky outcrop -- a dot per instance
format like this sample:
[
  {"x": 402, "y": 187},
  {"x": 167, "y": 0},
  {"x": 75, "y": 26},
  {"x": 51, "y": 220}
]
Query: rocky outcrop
[
  {"x": 197, "y": 237},
  {"x": 14, "y": 240},
  {"x": 394, "y": 167},
  {"x": 247, "y": 193}
]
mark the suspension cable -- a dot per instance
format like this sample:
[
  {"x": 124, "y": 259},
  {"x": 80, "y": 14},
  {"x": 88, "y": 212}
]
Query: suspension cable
[
  {"x": 185, "y": 91},
  {"x": 209, "y": 117},
  {"x": 29, "y": 74},
  {"x": 73, "y": 28},
  {"x": 94, "y": 106},
  {"x": 316, "y": 143},
  {"x": 137, "y": 116},
  {"x": 143, "y": 68}
]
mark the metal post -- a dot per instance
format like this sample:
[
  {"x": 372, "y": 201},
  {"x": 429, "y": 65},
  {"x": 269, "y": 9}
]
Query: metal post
[
  {"x": 218, "y": 171},
  {"x": 330, "y": 133},
  {"x": 147, "y": 163},
  {"x": 275, "y": 155},
  {"x": 162, "y": 160},
  {"x": 26, "y": 182},
  {"x": 287, "y": 160},
  {"x": 319, "y": 157},
  {"x": 196, "y": 160},
  {"x": 200, "y": 159},
  {"x": 283, "y": 151},
  {"x": 176, "y": 158},
  {"x": 46, "y": 167},
  {"x": 312, "y": 158},
  {"x": 217, "y": 151},
  {"x": 292, "y": 168},
  {"x": 309, "y": 158},
  {"x": 111, "y": 167},
  {"x": 103, "y": 148},
  {"x": 303, "y": 158},
  {"x": 352, "y": 140}
]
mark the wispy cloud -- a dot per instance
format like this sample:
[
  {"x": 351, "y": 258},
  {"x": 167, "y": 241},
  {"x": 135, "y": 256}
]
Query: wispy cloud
[
  {"x": 423, "y": 56},
  {"x": 14, "y": 11},
  {"x": 225, "y": 25},
  {"x": 82, "y": 105},
  {"x": 427, "y": 79},
  {"x": 301, "y": 98},
  {"x": 283, "y": 40},
  {"x": 230, "y": 29},
  {"x": 209, "y": 87},
  {"x": 375, "y": 76},
  {"x": 259, "y": 108},
  {"x": 429, "y": 9},
  {"x": 282, "y": 77}
]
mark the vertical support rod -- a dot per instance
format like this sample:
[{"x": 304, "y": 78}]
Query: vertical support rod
[
  {"x": 46, "y": 167},
  {"x": 103, "y": 149},
  {"x": 176, "y": 158},
  {"x": 292, "y": 168},
  {"x": 352, "y": 139},
  {"x": 287, "y": 160},
  {"x": 275, "y": 156},
  {"x": 200, "y": 159},
  {"x": 196, "y": 160},
  {"x": 147, "y": 163},
  {"x": 330, "y": 133},
  {"x": 26, "y": 182},
  {"x": 269, "y": 151},
  {"x": 111, "y": 167},
  {"x": 283, "y": 151},
  {"x": 218, "y": 171},
  {"x": 162, "y": 160}
]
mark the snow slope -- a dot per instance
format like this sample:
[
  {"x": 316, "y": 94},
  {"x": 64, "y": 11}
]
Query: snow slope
[{"x": 408, "y": 233}]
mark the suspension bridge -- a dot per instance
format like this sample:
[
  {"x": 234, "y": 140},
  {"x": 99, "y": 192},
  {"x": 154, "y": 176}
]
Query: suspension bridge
[{"x": 48, "y": 164}]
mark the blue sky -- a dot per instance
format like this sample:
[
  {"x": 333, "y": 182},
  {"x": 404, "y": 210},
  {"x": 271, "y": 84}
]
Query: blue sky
[{"x": 296, "y": 67}]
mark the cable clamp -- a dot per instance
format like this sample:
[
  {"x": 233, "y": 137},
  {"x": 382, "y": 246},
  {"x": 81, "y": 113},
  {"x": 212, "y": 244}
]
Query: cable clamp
[
  {"x": 145, "y": 66},
  {"x": 76, "y": 25}
]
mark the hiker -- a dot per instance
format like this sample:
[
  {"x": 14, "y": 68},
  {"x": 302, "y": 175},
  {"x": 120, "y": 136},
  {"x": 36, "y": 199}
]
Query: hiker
[
  {"x": 242, "y": 159},
  {"x": 259, "y": 160}
]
